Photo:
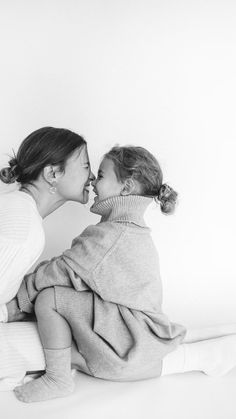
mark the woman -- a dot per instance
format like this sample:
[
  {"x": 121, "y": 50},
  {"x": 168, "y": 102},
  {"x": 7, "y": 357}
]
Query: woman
[{"x": 51, "y": 167}]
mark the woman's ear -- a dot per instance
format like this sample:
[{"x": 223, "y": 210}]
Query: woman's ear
[
  {"x": 51, "y": 174},
  {"x": 129, "y": 187}
]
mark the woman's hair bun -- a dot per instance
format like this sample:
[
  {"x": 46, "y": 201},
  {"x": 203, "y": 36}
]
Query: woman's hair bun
[
  {"x": 167, "y": 198},
  {"x": 11, "y": 173}
]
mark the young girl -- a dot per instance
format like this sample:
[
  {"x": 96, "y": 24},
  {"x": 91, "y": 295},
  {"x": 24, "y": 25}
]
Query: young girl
[{"x": 106, "y": 292}]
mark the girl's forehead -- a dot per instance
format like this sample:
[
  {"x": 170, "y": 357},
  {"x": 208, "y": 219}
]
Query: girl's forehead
[{"x": 106, "y": 165}]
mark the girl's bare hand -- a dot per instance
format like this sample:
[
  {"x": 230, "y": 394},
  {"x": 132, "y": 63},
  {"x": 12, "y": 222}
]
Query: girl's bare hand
[{"x": 14, "y": 313}]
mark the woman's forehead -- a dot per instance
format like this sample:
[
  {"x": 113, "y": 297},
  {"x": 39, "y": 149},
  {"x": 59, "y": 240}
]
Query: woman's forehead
[{"x": 81, "y": 154}]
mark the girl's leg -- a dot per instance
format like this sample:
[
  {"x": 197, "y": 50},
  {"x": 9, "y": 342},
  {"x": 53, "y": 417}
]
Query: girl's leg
[
  {"x": 214, "y": 357},
  {"x": 55, "y": 336}
]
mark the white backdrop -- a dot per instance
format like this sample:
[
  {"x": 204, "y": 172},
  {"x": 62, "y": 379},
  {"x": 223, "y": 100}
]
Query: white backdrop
[{"x": 161, "y": 74}]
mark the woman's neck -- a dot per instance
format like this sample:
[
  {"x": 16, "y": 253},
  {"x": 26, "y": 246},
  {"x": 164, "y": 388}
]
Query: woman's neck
[{"x": 45, "y": 201}]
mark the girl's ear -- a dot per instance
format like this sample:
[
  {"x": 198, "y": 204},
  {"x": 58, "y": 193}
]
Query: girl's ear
[
  {"x": 51, "y": 174},
  {"x": 129, "y": 187}
]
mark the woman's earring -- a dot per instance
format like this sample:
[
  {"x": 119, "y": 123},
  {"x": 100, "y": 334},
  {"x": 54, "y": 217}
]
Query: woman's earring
[{"x": 53, "y": 188}]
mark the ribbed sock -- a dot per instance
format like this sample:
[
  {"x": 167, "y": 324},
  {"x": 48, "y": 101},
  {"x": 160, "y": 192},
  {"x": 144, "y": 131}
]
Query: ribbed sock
[
  {"x": 56, "y": 382},
  {"x": 214, "y": 357}
]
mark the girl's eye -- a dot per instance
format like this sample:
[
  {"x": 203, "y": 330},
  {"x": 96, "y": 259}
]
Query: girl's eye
[{"x": 86, "y": 166}]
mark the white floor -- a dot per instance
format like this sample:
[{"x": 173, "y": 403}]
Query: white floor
[{"x": 185, "y": 396}]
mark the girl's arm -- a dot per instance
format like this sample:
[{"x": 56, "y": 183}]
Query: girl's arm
[
  {"x": 74, "y": 268},
  {"x": 47, "y": 274}
]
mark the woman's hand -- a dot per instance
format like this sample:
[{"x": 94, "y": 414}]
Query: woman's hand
[{"x": 14, "y": 313}]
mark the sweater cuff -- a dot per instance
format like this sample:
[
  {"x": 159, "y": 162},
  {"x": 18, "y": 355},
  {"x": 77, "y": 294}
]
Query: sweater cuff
[
  {"x": 24, "y": 302},
  {"x": 3, "y": 313}
]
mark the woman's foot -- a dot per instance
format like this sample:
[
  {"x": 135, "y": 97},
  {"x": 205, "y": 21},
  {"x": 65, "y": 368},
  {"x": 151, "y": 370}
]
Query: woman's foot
[{"x": 215, "y": 357}]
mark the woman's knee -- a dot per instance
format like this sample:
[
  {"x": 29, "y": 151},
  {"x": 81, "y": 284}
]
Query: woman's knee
[{"x": 45, "y": 301}]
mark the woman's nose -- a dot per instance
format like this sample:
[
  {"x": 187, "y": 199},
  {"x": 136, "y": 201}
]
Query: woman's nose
[{"x": 92, "y": 178}]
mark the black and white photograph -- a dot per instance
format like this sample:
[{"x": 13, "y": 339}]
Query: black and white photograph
[{"x": 118, "y": 209}]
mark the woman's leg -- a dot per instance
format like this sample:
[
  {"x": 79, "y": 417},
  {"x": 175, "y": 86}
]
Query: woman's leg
[
  {"x": 55, "y": 336},
  {"x": 210, "y": 332},
  {"x": 214, "y": 357}
]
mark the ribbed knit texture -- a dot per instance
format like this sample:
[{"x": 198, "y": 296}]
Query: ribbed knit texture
[
  {"x": 124, "y": 209},
  {"x": 21, "y": 242},
  {"x": 56, "y": 382},
  {"x": 20, "y": 351},
  {"x": 118, "y": 321}
]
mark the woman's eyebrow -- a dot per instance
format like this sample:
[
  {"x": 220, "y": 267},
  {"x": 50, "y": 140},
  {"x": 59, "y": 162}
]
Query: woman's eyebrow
[{"x": 100, "y": 171}]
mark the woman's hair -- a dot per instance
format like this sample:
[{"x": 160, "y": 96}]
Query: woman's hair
[
  {"x": 43, "y": 147},
  {"x": 139, "y": 164}
]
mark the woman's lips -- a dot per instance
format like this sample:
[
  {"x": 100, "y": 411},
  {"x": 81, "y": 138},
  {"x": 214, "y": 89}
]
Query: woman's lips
[{"x": 86, "y": 188}]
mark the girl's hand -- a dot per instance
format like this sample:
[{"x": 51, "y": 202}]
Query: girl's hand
[{"x": 14, "y": 313}]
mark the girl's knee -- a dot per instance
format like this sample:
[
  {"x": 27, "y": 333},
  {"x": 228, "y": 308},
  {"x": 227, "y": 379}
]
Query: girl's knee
[{"x": 45, "y": 301}]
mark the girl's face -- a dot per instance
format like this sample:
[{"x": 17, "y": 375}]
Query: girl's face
[
  {"x": 73, "y": 183},
  {"x": 106, "y": 185}
]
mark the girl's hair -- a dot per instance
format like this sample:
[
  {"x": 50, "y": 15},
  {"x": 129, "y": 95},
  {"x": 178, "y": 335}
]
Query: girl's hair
[
  {"x": 139, "y": 164},
  {"x": 43, "y": 147}
]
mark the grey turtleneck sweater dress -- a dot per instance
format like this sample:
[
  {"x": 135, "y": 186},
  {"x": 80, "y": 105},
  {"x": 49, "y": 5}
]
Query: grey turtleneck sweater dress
[{"x": 108, "y": 288}]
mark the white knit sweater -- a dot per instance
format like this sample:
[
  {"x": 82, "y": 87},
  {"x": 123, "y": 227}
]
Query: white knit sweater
[{"x": 21, "y": 242}]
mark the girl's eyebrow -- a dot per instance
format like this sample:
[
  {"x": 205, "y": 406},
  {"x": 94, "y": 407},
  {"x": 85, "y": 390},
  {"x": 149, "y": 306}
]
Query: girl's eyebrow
[{"x": 100, "y": 171}]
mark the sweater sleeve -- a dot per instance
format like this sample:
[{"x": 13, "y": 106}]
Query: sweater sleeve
[
  {"x": 74, "y": 268},
  {"x": 12, "y": 268},
  {"x": 21, "y": 241},
  {"x": 47, "y": 274}
]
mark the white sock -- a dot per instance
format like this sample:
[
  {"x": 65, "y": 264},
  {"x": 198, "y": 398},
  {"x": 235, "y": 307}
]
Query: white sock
[
  {"x": 214, "y": 357},
  {"x": 173, "y": 363}
]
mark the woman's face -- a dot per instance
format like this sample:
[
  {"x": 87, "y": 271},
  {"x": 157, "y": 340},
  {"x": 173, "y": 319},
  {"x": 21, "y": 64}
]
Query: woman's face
[
  {"x": 106, "y": 185},
  {"x": 73, "y": 184}
]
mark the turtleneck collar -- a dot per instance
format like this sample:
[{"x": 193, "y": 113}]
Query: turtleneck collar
[{"x": 127, "y": 209}]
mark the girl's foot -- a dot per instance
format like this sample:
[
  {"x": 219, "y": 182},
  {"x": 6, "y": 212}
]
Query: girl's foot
[{"x": 56, "y": 382}]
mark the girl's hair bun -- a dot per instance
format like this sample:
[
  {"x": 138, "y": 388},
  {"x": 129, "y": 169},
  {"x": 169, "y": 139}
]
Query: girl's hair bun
[
  {"x": 11, "y": 173},
  {"x": 167, "y": 198}
]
